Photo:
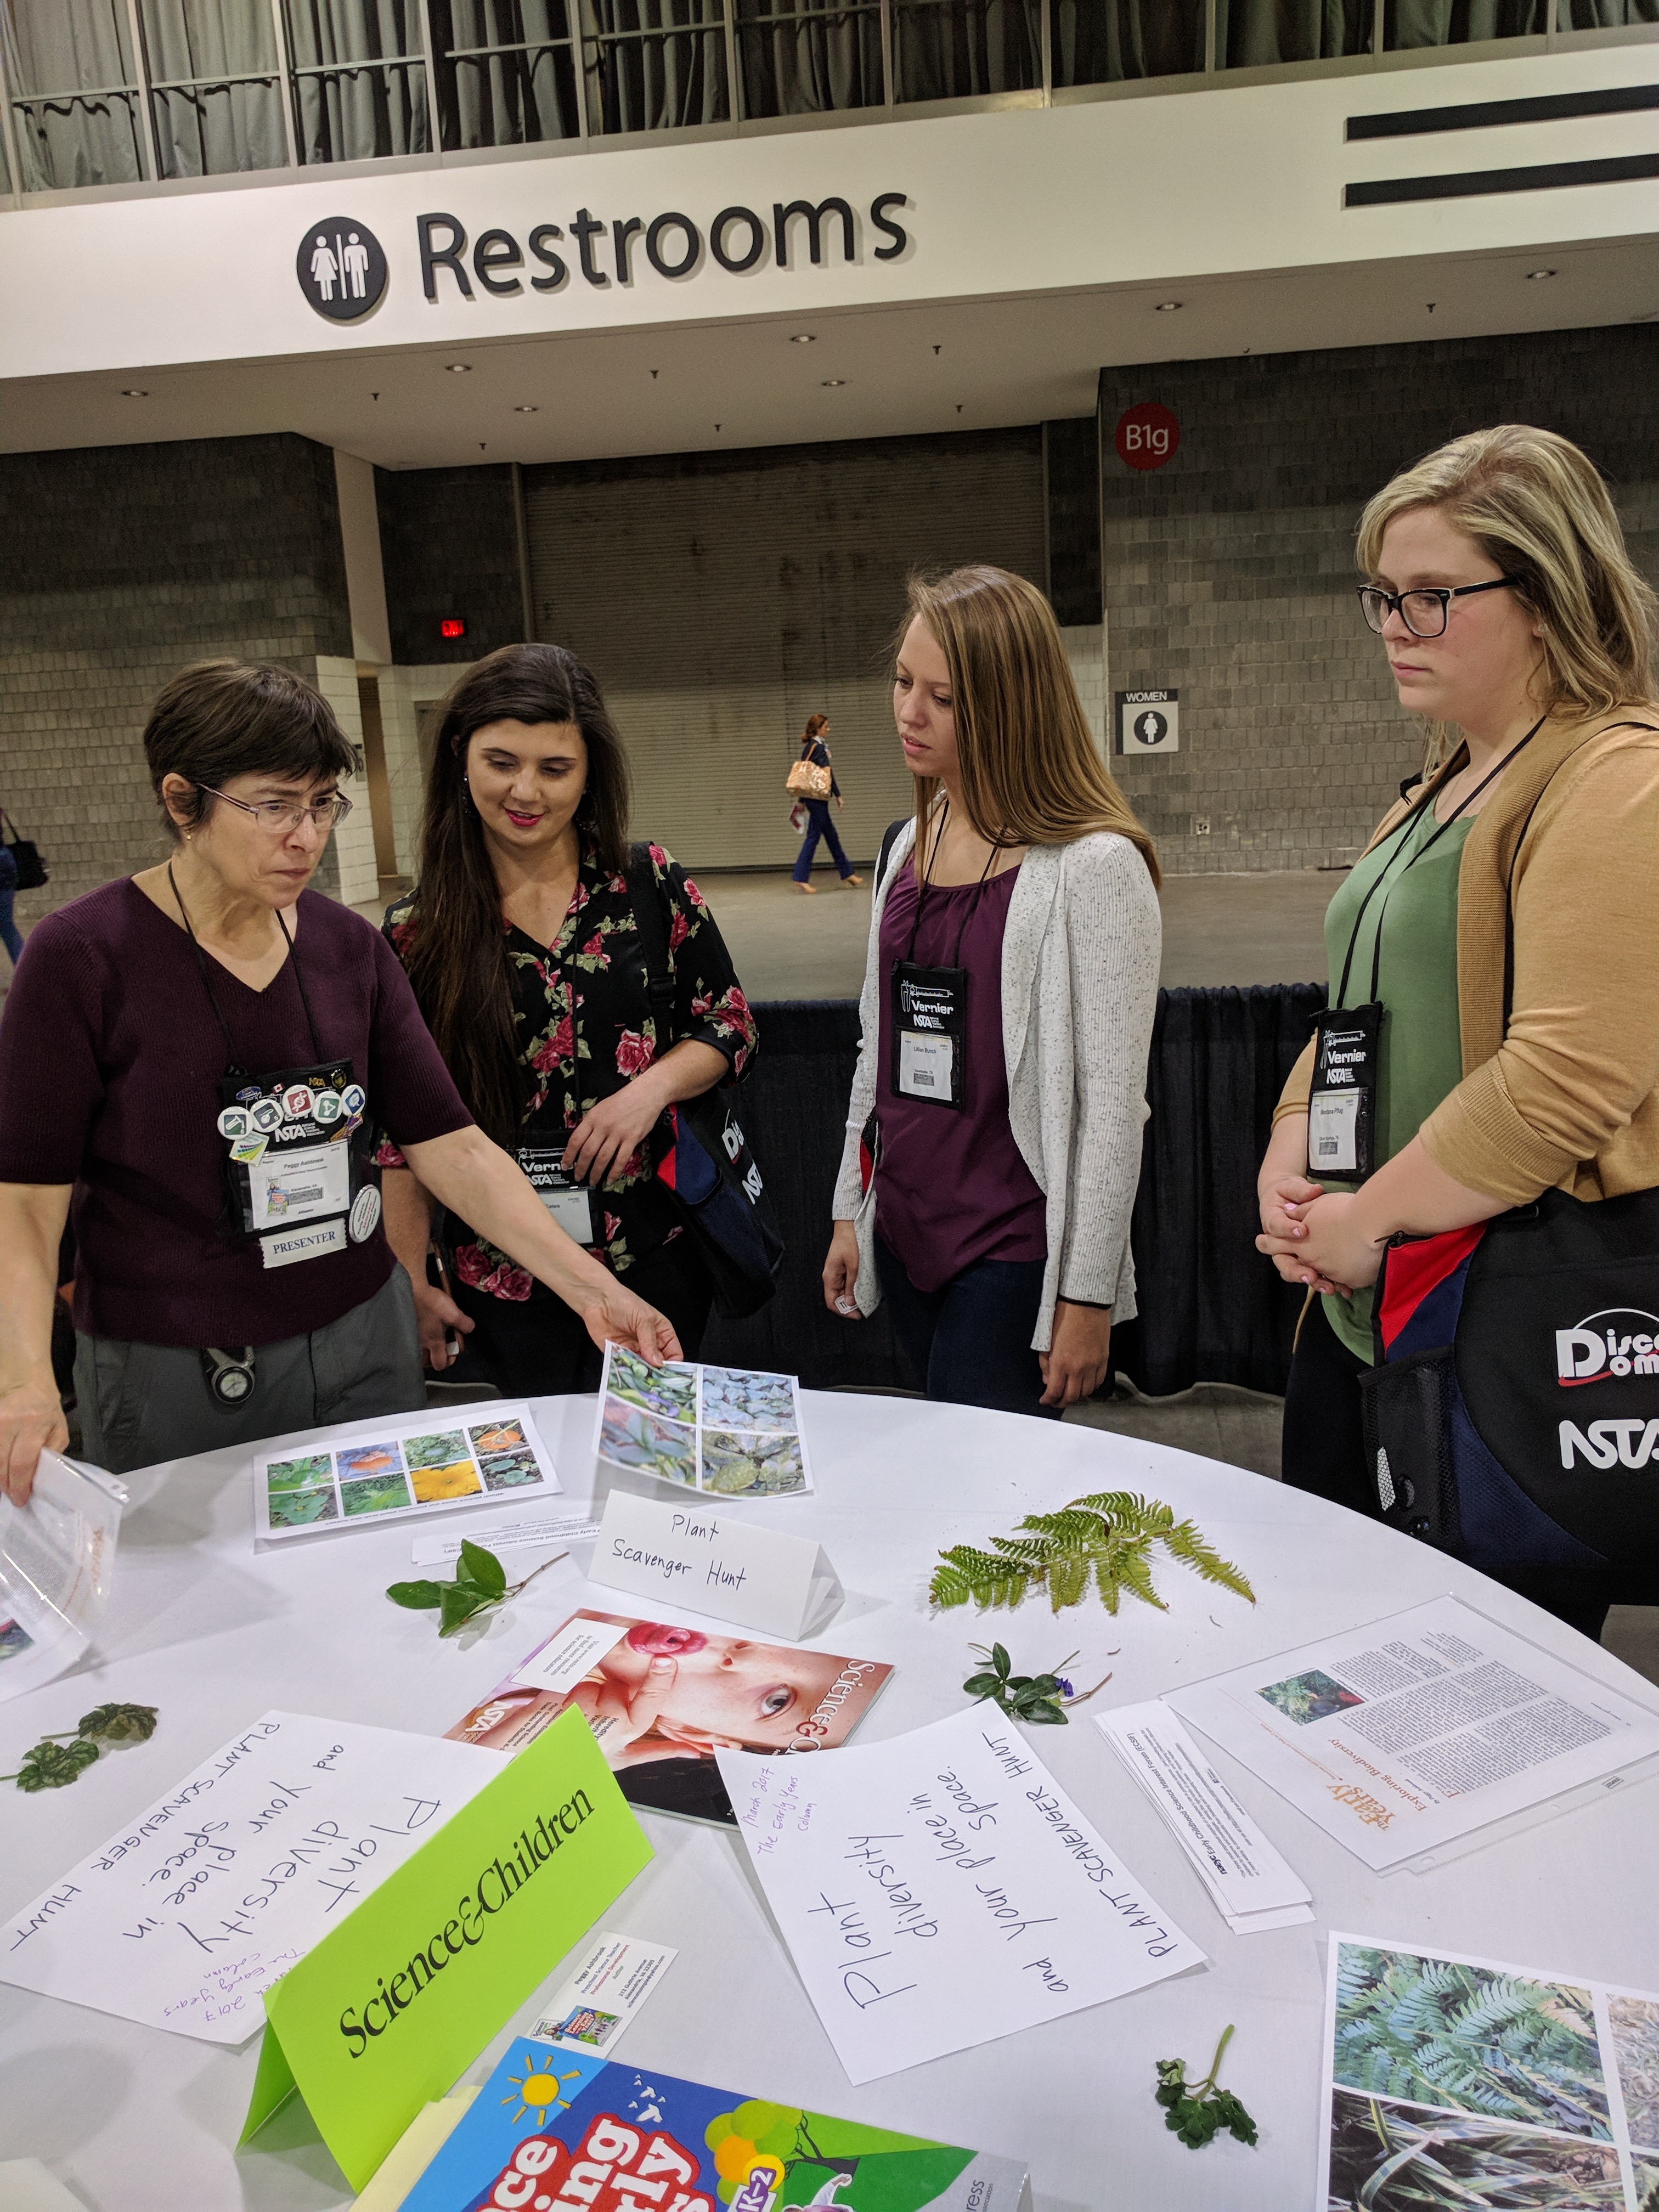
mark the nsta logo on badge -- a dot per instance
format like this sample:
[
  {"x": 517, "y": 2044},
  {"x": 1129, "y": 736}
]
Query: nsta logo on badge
[{"x": 1622, "y": 1341}]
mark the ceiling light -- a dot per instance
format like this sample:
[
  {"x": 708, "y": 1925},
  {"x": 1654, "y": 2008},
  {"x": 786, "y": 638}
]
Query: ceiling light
[
  {"x": 458, "y": 368},
  {"x": 134, "y": 392},
  {"x": 833, "y": 383},
  {"x": 1167, "y": 307},
  {"x": 524, "y": 410},
  {"x": 805, "y": 337},
  {"x": 1537, "y": 276}
]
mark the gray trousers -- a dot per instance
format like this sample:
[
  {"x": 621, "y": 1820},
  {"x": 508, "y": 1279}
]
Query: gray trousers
[{"x": 141, "y": 1403}]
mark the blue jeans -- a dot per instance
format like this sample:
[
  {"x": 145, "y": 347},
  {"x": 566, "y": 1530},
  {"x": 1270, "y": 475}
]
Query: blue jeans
[
  {"x": 818, "y": 824},
  {"x": 970, "y": 1342},
  {"x": 9, "y": 934}
]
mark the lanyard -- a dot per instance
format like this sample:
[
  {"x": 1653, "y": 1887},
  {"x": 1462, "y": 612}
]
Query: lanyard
[
  {"x": 926, "y": 885},
  {"x": 236, "y": 1067},
  {"x": 1427, "y": 846}
]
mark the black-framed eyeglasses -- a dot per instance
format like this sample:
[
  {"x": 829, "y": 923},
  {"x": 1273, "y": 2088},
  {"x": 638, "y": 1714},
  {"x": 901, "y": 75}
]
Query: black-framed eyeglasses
[
  {"x": 1423, "y": 612},
  {"x": 280, "y": 816}
]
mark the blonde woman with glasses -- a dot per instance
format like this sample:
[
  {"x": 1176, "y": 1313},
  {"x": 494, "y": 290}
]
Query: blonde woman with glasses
[
  {"x": 1471, "y": 1064},
  {"x": 994, "y": 1136}
]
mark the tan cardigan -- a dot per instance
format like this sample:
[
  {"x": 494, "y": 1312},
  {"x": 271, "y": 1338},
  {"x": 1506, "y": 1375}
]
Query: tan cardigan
[{"x": 1569, "y": 1098}]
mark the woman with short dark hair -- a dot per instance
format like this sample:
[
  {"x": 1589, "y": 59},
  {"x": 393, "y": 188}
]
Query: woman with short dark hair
[
  {"x": 194, "y": 1057},
  {"x": 523, "y": 946},
  {"x": 815, "y": 751}
]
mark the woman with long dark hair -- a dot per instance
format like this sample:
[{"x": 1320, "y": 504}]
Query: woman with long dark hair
[{"x": 523, "y": 947}]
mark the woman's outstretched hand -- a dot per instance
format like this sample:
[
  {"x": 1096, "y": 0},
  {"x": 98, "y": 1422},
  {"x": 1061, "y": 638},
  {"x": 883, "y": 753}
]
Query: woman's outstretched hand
[
  {"x": 840, "y": 1273},
  {"x": 615, "y": 1315}
]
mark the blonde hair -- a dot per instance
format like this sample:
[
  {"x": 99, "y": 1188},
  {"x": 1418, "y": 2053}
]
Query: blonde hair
[
  {"x": 1031, "y": 772},
  {"x": 1537, "y": 509}
]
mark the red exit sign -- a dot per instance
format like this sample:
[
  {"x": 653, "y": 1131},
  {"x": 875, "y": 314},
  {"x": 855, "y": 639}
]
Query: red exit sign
[{"x": 452, "y": 626}]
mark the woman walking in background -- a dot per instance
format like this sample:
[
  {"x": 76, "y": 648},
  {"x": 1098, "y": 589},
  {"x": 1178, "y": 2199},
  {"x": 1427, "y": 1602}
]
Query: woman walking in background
[
  {"x": 521, "y": 941},
  {"x": 815, "y": 753},
  {"x": 1007, "y": 1013},
  {"x": 10, "y": 936}
]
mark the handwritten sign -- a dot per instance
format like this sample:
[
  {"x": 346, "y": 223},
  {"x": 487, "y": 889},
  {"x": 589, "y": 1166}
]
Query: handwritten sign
[
  {"x": 210, "y": 1896},
  {"x": 941, "y": 1890},
  {"x": 715, "y": 1562}
]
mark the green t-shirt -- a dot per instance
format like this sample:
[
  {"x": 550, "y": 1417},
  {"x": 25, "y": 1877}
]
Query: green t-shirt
[{"x": 1420, "y": 1056}]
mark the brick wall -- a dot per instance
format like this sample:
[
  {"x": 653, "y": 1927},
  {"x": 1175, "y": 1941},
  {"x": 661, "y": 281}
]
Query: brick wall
[
  {"x": 118, "y": 564},
  {"x": 1229, "y": 572}
]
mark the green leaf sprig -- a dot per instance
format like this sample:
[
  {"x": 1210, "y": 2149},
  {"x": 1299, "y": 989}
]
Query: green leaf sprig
[
  {"x": 1198, "y": 2114},
  {"x": 55, "y": 1761},
  {"x": 1106, "y": 1538},
  {"x": 480, "y": 1582},
  {"x": 1041, "y": 1699}
]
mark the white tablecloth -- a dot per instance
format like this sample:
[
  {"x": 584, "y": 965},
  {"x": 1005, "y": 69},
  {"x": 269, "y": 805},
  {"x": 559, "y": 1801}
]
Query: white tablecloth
[{"x": 213, "y": 1634}]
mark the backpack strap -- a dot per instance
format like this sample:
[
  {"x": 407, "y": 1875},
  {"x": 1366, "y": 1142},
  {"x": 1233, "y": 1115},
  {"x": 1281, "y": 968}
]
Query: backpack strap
[
  {"x": 647, "y": 900},
  {"x": 888, "y": 841}
]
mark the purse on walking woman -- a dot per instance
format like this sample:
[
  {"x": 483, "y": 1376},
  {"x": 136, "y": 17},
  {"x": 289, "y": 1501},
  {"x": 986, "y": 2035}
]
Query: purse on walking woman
[
  {"x": 1513, "y": 1416},
  {"x": 710, "y": 1170},
  {"x": 32, "y": 870},
  {"x": 808, "y": 781}
]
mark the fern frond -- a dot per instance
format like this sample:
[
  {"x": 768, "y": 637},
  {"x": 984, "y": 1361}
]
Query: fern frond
[
  {"x": 1134, "y": 1571},
  {"x": 1186, "y": 1543}
]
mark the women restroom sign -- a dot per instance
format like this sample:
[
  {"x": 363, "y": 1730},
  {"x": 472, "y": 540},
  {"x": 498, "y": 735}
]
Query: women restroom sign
[
  {"x": 1147, "y": 435},
  {"x": 1148, "y": 721}
]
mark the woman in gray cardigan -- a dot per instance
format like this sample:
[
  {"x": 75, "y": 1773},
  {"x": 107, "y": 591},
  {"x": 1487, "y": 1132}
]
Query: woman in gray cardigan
[{"x": 994, "y": 1135}]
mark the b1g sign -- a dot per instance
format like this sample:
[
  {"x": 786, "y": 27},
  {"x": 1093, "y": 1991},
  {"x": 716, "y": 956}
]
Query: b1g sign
[
  {"x": 1147, "y": 435},
  {"x": 1148, "y": 721}
]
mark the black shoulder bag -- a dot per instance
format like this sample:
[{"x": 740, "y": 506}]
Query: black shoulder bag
[
  {"x": 710, "y": 1170},
  {"x": 1513, "y": 1417},
  {"x": 32, "y": 870}
]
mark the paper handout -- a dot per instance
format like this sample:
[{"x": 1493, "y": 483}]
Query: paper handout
[
  {"x": 733, "y": 1431},
  {"x": 418, "y": 1464},
  {"x": 660, "y": 1698},
  {"x": 592, "y": 2007},
  {"x": 698, "y": 1554},
  {"x": 205, "y": 1899},
  {"x": 1413, "y": 1731},
  {"x": 57, "y": 1557},
  {"x": 1451, "y": 2079},
  {"x": 940, "y": 1890}
]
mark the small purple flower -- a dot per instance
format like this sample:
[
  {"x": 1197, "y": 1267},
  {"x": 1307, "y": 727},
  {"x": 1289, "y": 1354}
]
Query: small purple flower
[{"x": 1066, "y": 1689}]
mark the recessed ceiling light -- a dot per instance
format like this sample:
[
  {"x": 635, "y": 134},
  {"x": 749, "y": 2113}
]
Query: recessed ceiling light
[
  {"x": 134, "y": 392},
  {"x": 1168, "y": 308},
  {"x": 458, "y": 368},
  {"x": 1537, "y": 276},
  {"x": 805, "y": 337},
  {"x": 524, "y": 410},
  {"x": 833, "y": 383}
]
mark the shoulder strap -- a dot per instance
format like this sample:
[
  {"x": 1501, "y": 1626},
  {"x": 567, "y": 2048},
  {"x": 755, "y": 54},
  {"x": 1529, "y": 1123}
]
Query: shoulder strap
[
  {"x": 646, "y": 897},
  {"x": 888, "y": 841}
]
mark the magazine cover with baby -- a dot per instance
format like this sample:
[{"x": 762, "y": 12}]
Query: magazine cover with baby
[{"x": 661, "y": 1701}]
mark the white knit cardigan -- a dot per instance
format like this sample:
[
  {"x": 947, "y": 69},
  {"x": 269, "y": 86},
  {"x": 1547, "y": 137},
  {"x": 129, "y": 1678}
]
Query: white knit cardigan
[{"x": 1080, "y": 958}]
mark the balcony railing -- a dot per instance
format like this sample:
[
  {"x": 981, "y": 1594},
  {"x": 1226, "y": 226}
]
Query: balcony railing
[{"x": 102, "y": 93}]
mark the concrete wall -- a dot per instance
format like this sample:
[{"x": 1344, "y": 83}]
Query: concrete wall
[
  {"x": 116, "y": 566},
  {"x": 1229, "y": 572},
  {"x": 449, "y": 547}
]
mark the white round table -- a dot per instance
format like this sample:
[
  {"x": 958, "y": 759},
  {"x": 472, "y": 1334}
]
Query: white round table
[{"x": 214, "y": 1633}]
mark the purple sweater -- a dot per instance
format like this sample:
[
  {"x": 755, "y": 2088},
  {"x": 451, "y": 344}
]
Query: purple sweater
[{"x": 110, "y": 1064}]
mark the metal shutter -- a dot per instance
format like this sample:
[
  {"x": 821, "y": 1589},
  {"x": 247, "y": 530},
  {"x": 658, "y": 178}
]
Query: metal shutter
[{"x": 721, "y": 598}]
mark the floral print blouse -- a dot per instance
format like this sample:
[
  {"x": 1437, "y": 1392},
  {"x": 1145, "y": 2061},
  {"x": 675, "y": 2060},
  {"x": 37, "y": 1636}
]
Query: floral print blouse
[{"x": 582, "y": 1010}]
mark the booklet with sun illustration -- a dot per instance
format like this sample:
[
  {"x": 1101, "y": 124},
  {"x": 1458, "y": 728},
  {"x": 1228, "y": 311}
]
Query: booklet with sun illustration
[
  {"x": 551, "y": 2126},
  {"x": 662, "y": 1700}
]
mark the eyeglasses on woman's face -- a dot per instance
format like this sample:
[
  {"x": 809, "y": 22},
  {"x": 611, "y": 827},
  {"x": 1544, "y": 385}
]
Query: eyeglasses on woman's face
[
  {"x": 1423, "y": 611},
  {"x": 280, "y": 816}
]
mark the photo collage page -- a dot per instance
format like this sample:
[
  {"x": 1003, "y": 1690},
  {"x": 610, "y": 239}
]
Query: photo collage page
[
  {"x": 731, "y": 1431},
  {"x": 432, "y": 1461},
  {"x": 1456, "y": 2080}
]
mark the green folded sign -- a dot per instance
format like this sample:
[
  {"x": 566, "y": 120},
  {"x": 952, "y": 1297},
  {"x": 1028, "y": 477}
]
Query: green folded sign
[{"x": 391, "y": 2008}]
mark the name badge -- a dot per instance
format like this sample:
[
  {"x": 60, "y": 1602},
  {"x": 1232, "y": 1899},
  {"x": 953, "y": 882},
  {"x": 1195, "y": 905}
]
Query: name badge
[
  {"x": 1342, "y": 1101},
  {"x": 929, "y": 1016},
  {"x": 566, "y": 1199}
]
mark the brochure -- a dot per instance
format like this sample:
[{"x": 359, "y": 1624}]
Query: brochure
[
  {"x": 1453, "y": 2081},
  {"x": 662, "y": 1700},
  {"x": 592, "y": 2006},
  {"x": 553, "y": 2127},
  {"x": 1409, "y": 1733},
  {"x": 57, "y": 1557},
  {"x": 733, "y": 1431},
  {"x": 420, "y": 1463}
]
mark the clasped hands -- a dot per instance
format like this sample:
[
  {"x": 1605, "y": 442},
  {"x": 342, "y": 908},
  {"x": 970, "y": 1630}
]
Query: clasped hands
[{"x": 1315, "y": 1236}]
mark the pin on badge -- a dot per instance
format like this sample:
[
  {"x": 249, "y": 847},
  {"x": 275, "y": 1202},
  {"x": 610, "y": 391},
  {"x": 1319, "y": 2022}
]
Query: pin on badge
[
  {"x": 245, "y": 1150},
  {"x": 246, "y": 1098},
  {"x": 297, "y": 1102},
  {"x": 365, "y": 1213},
  {"x": 326, "y": 1106},
  {"x": 233, "y": 1122},
  {"x": 264, "y": 1115},
  {"x": 353, "y": 1098}
]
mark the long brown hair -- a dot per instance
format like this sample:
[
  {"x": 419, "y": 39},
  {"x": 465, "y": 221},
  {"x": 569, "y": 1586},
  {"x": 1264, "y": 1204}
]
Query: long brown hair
[
  {"x": 815, "y": 723},
  {"x": 1031, "y": 772},
  {"x": 457, "y": 955}
]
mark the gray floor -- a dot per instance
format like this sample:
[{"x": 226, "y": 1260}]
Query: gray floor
[{"x": 1241, "y": 1427}]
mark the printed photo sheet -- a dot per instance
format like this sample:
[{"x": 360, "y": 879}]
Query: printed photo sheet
[
  {"x": 731, "y": 1431},
  {"x": 1405, "y": 1735},
  {"x": 420, "y": 1463},
  {"x": 203, "y": 1900},
  {"x": 660, "y": 1698},
  {"x": 1453, "y": 2081}
]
